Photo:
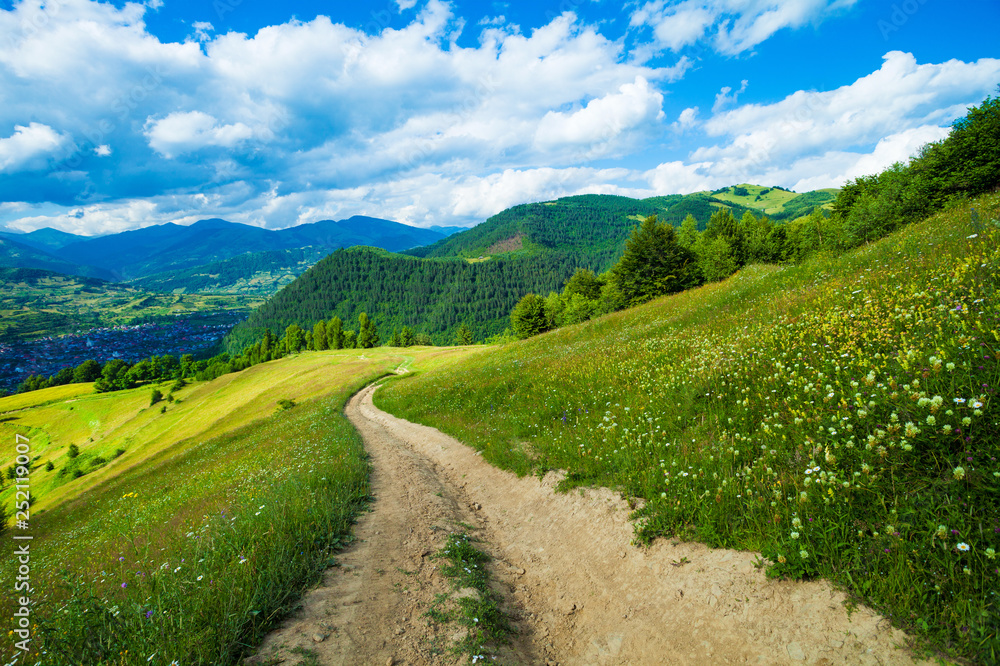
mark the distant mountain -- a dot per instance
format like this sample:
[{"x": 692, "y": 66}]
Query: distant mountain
[
  {"x": 44, "y": 239},
  {"x": 171, "y": 247},
  {"x": 14, "y": 254},
  {"x": 476, "y": 276},
  {"x": 448, "y": 231}
]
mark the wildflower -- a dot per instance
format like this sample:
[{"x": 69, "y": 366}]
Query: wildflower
[
  {"x": 200, "y": 577},
  {"x": 931, "y": 420},
  {"x": 781, "y": 559},
  {"x": 796, "y": 522},
  {"x": 942, "y": 531},
  {"x": 958, "y": 473},
  {"x": 124, "y": 585},
  {"x": 804, "y": 554},
  {"x": 966, "y": 571},
  {"x": 990, "y": 554},
  {"x": 962, "y": 546},
  {"x": 803, "y": 496},
  {"x": 795, "y": 535}
]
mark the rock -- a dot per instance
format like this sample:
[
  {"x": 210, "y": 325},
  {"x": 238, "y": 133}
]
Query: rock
[
  {"x": 390, "y": 661},
  {"x": 319, "y": 638},
  {"x": 795, "y": 652},
  {"x": 400, "y": 631},
  {"x": 570, "y": 608}
]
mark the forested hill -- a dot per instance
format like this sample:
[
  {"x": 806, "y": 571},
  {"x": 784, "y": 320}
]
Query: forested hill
[
  {"x": 433, "y": 296},
  {"x": 596, "y": 225},
  {"x": 590, "y": 225},
  {"x": 477, "y": 276}
]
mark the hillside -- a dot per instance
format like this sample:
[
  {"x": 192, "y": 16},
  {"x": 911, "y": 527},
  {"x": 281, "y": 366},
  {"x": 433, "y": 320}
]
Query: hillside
[
  {"x": 474, "y": 277},
  {"x": 433, "y": 296},
  {"x": 195, "y": 523},
  {"x": 171, "y": 247},
  {"x": 257, "y": 273},
  {"x": 14, "y": 253},
  {"x": 840, "y": 416}
]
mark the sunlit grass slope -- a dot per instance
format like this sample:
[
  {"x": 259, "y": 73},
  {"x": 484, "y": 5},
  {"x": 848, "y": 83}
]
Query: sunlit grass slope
[
  {"x": 840, "y": 416},
  {"x": 102, "y": 424},
  {"x": 189, "y": 546}
]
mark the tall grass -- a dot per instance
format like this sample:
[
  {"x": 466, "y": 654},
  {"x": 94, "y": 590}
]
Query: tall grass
[
  {"x": 840, "y": 416},
  {"x": 189, "y": 557}
]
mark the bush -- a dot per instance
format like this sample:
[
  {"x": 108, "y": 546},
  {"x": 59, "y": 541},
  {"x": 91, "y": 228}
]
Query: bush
[
  {"x": 285, "y": 403},
  {"x": 74, "y": 451}
]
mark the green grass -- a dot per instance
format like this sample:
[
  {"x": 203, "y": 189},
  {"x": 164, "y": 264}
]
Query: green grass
[
  {"x": 192, "y": 545},
  {"x": 839, "y": 416},
  {"x": 100, "y": 424},
  {"x": 476, "y": 607}
]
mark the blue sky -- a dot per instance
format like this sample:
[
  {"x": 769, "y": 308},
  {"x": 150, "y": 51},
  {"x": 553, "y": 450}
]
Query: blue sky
[{"x": 115, "y": 116}]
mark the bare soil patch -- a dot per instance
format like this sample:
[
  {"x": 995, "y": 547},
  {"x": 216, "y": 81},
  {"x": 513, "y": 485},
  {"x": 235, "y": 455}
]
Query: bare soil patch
[{"x": 577, "y": 589}]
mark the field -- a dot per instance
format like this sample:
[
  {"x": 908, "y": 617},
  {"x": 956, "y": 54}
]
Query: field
[
  {"x": 190, "y": 544},
  {"x": 839, "y": 416},
  {"x": 777, "y": 202},
  {"x": 40, "y": 303}
]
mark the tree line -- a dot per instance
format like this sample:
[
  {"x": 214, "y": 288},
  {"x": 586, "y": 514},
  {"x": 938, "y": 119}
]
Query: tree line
[{"x": 660, "y": 260}]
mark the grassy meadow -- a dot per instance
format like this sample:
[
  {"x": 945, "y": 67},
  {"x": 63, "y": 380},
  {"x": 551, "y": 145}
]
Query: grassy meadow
[
  {"x": 840, "y": 416},
  {"x": 189, "y": 545}
]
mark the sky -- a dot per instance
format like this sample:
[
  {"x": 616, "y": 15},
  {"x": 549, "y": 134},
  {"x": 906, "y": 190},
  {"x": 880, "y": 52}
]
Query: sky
[{"x": 116, "y": 116}]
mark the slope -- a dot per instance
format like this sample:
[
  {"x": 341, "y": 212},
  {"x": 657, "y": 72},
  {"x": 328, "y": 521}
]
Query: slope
[
  {"x": 192, "y": 524},
  {"x": 839, "y": 416},
  {"x": 476, "y": 276},
  {"x": 16, "y": 254},
  {"x": 258, "y": 273},
  {"x": 172, "y": 247}
]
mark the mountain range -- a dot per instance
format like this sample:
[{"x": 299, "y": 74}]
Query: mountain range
[{"x": 172, "y": 247}]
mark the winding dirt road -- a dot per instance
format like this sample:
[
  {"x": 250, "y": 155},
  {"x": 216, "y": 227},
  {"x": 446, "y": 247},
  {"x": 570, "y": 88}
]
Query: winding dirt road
[{"x": 579, "y": 592}]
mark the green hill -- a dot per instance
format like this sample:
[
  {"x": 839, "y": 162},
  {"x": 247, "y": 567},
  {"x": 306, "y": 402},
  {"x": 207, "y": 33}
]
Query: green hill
[
  {"x": 474, "y": 277},
  {"x": 839, "y": 415}
]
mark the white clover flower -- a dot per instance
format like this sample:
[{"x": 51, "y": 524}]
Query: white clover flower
[
  {"x": 796, "y": 522},
  {"x": 804, "y": 554},
  {"x": 958, "y": 473},
  {"x": 931, "y": 420},
  {"x": 794, "y": 535},
  {"x": 990, "y": 554}
]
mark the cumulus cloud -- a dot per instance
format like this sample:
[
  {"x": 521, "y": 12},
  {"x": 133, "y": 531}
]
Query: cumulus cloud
[
  {"x": 729, "y": 26},
  {"x": 186, "y": 132},
  {"x": 599, "y": 125},
  {"x": 104, "y": 127},
  {"x": 30, "y": 147},
  {"x": 900, "y": 95}
]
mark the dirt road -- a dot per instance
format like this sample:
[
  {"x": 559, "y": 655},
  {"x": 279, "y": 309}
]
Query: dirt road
[{"x": 579, "y": 592}]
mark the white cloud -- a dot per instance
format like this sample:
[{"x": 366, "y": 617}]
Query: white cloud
[
  {"x": 180, "y": 133},
  {"x": 727, "y": 98},
  {"x": 102, "y": 150},
  {"x": 30, "y": 147},
  {"x": 687, "y": 119},
  {"x": 898, "y": 96},
  {"x": 732, "y": 26},
  {"x": 600, "y": 124}
]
